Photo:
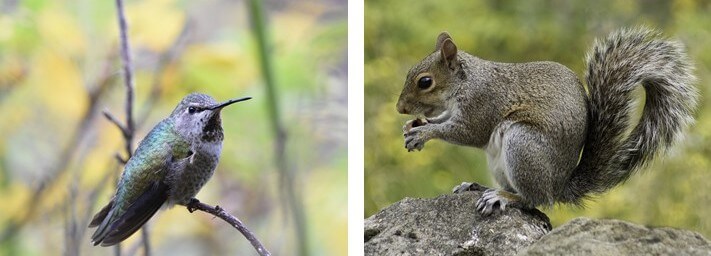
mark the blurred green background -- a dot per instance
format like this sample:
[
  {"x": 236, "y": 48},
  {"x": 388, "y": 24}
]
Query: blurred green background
[
  {"x": 59, "y": 69},
  {"x": 673, "y": 191}
]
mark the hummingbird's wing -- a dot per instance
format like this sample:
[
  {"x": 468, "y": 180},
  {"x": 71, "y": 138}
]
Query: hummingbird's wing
[
  {"x": 145, "y": 206},
  {"x": 142, "y": 189},
  {"x": 115, "y": 226}
]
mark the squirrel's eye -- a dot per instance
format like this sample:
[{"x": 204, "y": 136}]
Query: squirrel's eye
[
  {"x": 424, "y": 82},
  {"x": 192, "y": 110}
]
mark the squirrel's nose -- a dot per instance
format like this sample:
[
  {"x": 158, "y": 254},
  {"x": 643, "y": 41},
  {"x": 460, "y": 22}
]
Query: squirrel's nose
[{"x": 401, "y": 108}]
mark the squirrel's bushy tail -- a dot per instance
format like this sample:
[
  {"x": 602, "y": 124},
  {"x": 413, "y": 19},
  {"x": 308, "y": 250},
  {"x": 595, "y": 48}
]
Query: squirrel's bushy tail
[{"x": 615, "y": 66}]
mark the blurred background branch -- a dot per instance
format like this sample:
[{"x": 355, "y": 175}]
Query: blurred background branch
[
  {"x": 100, "y": 87},
  {"x": 166, "y": 58},
  {"x": 127, "y": 129},
  {"x": 291, "y": 196}
]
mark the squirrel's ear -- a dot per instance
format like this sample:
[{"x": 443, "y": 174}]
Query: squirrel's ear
[
  {"x": 440, "y": 39},
  {"x": 449, "y": 52}
]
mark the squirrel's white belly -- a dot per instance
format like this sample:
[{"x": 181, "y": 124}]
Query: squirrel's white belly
[{"x": 496, "y": 157}]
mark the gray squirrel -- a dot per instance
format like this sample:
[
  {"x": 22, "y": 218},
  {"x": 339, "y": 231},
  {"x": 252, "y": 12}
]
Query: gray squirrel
[{"x": 534, "y": 119}]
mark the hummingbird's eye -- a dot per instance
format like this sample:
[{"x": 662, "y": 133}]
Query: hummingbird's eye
[{"x": 192, "y": 110}]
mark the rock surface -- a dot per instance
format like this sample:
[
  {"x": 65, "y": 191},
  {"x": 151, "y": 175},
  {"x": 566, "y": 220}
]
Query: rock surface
[
  {"x": 614, "y": 237},
  {"x": 449, "y": 225}
]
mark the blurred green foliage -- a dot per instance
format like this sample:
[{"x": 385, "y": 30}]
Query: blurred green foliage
[
  {"x": 54, "y": 54},
  {"x": 671, "y": 192}
]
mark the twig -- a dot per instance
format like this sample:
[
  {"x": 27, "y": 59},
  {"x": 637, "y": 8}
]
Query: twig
[
  {"x": 115, "y": 121},
  {"x": 120, "y": 159},
  {"x": 133, "y": 250},
  {"x": 217, "y": 211},
  {"x": 128, "y": 129},
  {"x": 145, "y": 241},
  {"x": 128, "y": 76}
]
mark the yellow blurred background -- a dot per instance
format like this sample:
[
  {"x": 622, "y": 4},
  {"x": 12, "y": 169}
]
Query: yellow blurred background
[
  {"x": 673, "y": 191},
  {"x": 59, "y": 68}
]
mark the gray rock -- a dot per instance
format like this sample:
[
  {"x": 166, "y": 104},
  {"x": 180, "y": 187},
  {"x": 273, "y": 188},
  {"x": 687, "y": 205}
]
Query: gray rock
[
  {"x": 583, "y": 236},
  {"x": 449, "y": 225}
]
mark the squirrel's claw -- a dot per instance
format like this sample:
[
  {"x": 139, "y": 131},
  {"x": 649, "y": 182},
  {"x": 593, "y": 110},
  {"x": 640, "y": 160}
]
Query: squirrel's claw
[
  {"x": 414, "y": 139},
  {"x": 411, "y": 143},
  {"x": 489, "y": 201}
]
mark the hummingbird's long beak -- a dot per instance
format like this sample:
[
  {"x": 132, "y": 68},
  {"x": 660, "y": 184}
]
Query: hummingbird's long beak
[{"x": 227, "y": 103}]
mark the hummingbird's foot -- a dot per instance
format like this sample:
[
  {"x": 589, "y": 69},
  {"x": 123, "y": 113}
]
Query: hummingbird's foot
[{"x": 191, "y": 204}]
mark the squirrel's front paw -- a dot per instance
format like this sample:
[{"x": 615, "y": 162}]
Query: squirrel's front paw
[
  {"x": 415, "y": 138},
  {"x": 489, "y": 201}
]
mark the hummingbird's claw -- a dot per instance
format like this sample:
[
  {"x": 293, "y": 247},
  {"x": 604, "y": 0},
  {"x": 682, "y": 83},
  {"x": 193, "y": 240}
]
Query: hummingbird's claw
[{"x": 191, "y": 204}]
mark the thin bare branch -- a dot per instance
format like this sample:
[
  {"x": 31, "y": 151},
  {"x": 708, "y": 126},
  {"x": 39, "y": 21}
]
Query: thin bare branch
[
  {"x": 217, "y": 211},
  {"x": 146, "y": 242},
  {"x": 129, "y": 128},
  {"x": 115, "y": 121},
  {"x": 127, "y": 73},
  {"x": 120, "y": 159}
]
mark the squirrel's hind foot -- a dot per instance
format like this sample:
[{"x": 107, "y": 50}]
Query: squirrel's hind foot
[{"x": 493, "y": 200}]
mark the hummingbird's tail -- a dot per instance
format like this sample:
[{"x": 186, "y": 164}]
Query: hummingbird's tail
[
  {"x": 101, "y": 215},
  {"x": 114, "y": 226}
]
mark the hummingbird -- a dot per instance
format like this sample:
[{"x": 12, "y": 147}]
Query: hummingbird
[{"x": 175, "y": 159}]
